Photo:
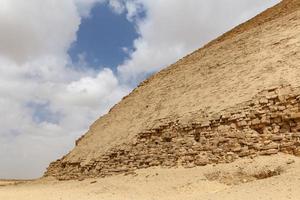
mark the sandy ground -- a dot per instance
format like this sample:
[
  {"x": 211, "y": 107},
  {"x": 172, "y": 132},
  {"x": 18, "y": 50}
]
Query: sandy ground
[{"x": 275, "y": 177}]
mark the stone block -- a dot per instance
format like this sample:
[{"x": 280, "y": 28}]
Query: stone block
[
  {"x": 237, "y": 149},
  {"x": 296, "y": 135},
  {"x": 269, "y": 152},
  {"x": 244, "y": 153},
  {"x": 272, "y": 95},
  {"x": 263, "y": 100},
  {"x": 201, "y": 161},
  {"x": 255, "y": 121},
  {"x": 265, "y": 120},
  {"x": 242, "y": 123},
  {"x": 272, "y": 145},
  {"x": 294, "y": 116},
  {"x": 205, "y": 124},
  {"x": 277, "y": 137}
]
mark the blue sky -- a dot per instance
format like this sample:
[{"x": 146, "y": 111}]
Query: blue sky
[{"x": 103, "y": 38}]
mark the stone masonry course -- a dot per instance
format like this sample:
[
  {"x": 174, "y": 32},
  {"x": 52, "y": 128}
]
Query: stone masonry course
[{"x": 267, "y": 124}]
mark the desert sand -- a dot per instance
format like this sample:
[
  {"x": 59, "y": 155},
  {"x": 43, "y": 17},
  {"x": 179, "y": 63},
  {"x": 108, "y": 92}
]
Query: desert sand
[{"x": 271, "y": 177}]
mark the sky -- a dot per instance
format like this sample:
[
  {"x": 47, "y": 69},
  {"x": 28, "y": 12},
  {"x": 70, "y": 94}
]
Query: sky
[
  {"x": 63, "y": 64},
  {"x": 103, "y": 38}
]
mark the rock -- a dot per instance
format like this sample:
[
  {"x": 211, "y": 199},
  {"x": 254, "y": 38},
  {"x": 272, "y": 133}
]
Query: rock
[
  {"x": 272, "y": 145},
  {"x": 190, "y": 165},
  {"x": 244, "y": 153},
  {"x": 265, "y": 120},
  {"x": 269, "y": 152},
  {"x": 281, "y": 108},
  {"x": 263, "y": 101},
  {"x": 295, "y": 116},
  {"x": 297, "y": 135},
  {"x": 201, "y": 161},
  {"x": 290, "y": 161},
  {"x": 242, "y": 123},
  {"x": 272, "y": 96},
  {"x": 255, "y": 121},
  {"x": 237, "y": 149},
  {"x": 277, "y": 137},
  {"x": 205, "y": 124}
]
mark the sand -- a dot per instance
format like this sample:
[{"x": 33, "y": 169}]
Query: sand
[{"x": 272, "y": 177}]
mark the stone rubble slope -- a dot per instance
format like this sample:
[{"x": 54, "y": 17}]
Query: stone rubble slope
[{"x": 236, "y": 97}]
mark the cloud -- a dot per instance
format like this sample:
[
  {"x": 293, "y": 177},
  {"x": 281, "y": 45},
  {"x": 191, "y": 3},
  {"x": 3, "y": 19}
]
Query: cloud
[
  {"x": 93, "y": 91},
  {"x": 174, "y": 28},
  {"x": 34, "y": 28},
  {"x": 47, "y": 106},
  {"x": 46, "y": 102},
  {"x": 117, "y": 6},
  {"x": 84, "y": 6}
]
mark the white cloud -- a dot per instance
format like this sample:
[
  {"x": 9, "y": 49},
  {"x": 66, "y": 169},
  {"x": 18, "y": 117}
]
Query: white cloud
[
  {"x": 84, "y": 6},
  {"x": 175, "y": 28},
  {"x": 34, "y": 28},
  {"x": 117, "y": 6},
  {"x": 88, "y": 91},
  {"x": 46, "y": 105}
]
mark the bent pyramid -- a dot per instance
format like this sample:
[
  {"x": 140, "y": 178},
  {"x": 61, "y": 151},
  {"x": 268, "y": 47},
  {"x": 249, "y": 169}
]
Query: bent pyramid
[{"x": 238, "y": 96}]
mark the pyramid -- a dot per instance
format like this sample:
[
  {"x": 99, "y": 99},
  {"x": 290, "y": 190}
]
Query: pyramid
[{"x": 238, "y": 96}]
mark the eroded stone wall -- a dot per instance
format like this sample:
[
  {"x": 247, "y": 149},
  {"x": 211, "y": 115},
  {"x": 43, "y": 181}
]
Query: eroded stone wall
[{"x": 268, "y": 124}]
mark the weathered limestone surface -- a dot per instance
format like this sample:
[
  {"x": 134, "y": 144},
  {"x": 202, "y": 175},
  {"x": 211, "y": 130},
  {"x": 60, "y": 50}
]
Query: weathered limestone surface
[{"x": 268, "y": 124}]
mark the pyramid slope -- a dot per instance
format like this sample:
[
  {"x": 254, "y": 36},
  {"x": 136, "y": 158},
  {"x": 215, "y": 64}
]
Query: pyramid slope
[{"x": 260, "y": 54}]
